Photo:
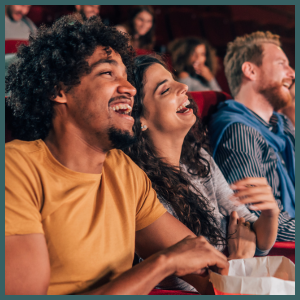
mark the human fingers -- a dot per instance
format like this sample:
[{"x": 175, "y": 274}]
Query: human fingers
[
  {"x": 241, "y": 221},
  {"x": 251, "y": 191},
  {"x": 249, "y": 181},
  {"x": 264, "y": 198},
  {"x": 263, "y": 207},
  {"x": 247, "y": 224},
  {"x": 193, "y": 254},
  {"x": 232, "y": 225}
]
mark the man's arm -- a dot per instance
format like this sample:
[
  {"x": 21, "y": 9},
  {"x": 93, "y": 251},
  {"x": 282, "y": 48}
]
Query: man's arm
[
  {"x": 27, "y": 267},
  {"x": 169, "y": 248}
]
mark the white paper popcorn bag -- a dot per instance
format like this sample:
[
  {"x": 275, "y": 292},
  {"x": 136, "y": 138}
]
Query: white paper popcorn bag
[{"x": 269, "y": 275}]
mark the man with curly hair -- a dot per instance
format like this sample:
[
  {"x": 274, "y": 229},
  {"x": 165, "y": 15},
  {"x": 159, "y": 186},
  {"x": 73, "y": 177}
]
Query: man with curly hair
[
  {"x": 76, "y": 209},
  {"x": 249, "y": 137}
]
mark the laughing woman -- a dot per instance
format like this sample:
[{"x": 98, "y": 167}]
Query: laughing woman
[{"x": 170, "y": 149}]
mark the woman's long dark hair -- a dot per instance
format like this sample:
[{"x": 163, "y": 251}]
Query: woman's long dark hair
[
  {"x": 145, "y": 41},
  {"x": 191, "y": 207}
]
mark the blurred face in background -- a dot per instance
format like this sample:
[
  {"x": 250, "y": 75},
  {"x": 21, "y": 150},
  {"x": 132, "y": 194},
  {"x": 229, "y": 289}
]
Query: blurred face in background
[
  {"x": 143, "y": 22},
  {"x": 88, "y": 10},
  {"x": 17, "y": 12},
  {"x": 198, "y": 57}
]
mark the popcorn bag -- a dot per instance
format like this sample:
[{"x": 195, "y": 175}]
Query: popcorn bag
[{"x": 269, "y": 275}]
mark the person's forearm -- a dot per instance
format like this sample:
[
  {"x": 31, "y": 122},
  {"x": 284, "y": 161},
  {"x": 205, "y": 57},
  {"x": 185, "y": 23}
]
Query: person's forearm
[
  {"x": 266, "y": 228},
  {"x": 139, "y": 280}
]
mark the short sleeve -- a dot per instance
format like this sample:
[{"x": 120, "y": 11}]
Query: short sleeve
[
  {"x": 149, "y": 208},
  {"x": 23, "y": 194}
]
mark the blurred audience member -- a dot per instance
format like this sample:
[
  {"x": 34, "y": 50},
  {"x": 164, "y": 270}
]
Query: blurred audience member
[
  {"x": 17, "y": 25},
  {"x": 250, "y": 139},
  {"x": 195, "y": 63},
  {"x": 289, "y": 111},
  {"x": 88, "y": 11},
  {"x": 140, "y": 27}
]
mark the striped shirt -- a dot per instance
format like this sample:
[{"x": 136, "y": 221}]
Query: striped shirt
[{"x": 244, "y": 152}]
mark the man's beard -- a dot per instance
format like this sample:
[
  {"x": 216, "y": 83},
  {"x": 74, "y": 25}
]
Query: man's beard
[
  {"x": 275, "y": 96},
  {"x": 121, "y": 139}
]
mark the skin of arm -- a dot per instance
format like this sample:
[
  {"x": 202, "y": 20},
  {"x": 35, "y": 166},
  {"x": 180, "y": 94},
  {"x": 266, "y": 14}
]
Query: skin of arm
[
  {"x": 168, "y": 246},
  {"x": 27, "y": 266}
]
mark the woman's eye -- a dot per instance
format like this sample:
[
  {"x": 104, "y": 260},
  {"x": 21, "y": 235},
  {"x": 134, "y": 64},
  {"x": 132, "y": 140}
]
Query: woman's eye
[{"x": 165, "y": 91}]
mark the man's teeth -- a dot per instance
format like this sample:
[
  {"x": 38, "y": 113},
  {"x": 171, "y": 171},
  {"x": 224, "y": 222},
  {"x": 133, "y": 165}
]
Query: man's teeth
[
  {"x": 286, "y": 84},
  {"x": 186, "y": 103},
  {"x": 126, "y": 107}
]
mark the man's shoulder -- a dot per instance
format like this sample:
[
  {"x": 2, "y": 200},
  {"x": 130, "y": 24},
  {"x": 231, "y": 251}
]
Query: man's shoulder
[
  {"x": 23, "y": 146},
  {"x": 238, "y": 129}
]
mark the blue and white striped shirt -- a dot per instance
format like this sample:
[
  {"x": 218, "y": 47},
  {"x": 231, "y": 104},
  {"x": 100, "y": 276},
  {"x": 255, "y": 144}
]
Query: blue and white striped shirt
[{"x": 244, "y": 152}]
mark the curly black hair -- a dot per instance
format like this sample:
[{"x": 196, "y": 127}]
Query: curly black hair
[
  {"x": 56, "y": 56},
  {"x": 191, "y": 207}
]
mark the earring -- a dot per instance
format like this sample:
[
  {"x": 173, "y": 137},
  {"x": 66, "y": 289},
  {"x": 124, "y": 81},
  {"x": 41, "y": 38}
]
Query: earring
[{"x": 144, "y": 127}]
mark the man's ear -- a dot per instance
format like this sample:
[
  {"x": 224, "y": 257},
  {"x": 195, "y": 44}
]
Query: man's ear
[
  {"x": 249, "y": 70},
  {"x": 61, "y": 97}
]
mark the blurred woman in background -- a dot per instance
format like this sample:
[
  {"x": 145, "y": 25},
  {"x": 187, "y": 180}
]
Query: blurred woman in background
[
  {"x": 140, "y": 27},
  {"x": 195, "y": 64}
]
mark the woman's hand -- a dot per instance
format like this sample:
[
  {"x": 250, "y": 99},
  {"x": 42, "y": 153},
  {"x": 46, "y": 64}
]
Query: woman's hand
[
  {"x": 203, "y": 70},
  {"x": 257, "y": 193},
  {"x": 241, "y": 239}
]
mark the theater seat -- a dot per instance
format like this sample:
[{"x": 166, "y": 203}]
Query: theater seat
[
  {"x": 286, "y": 249},
  {"x": 170, "y": 292},
  {"x": 11, "y": 46},
  {"x": 208, "y": 100}
]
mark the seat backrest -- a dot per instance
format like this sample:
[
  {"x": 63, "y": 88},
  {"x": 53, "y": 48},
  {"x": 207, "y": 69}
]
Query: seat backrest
[
  {"x": 207, "y": 101},
  {"x": 11, "y": 46}
]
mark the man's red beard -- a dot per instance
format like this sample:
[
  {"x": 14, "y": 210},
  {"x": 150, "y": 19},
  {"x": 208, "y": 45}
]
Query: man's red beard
[{"x": 275, "y": 96}]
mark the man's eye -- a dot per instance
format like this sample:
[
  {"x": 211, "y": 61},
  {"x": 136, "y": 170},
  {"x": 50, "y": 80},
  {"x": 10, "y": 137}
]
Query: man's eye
[
  {"x": 107, "y": 72},
  {"x": 165, "y": 91}
]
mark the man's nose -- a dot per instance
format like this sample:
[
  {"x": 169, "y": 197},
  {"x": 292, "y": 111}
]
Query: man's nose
[{"x": 127, "y": 88}]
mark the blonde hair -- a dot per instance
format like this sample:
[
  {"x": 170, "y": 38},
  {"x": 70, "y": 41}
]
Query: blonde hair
[{"x": 246, "y": 48}]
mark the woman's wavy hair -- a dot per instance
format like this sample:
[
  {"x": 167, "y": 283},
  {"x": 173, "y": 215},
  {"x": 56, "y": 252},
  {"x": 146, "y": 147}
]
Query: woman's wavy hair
[
  {"x": 146, "y": 41},
  {"x": 191, "y": 207},
  {"x": 182, "y": 50},
  {"x": 56, "y": 57}
]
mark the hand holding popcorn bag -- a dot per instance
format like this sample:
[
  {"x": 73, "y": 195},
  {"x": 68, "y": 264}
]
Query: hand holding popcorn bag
[{"x": 269, "y": 275}]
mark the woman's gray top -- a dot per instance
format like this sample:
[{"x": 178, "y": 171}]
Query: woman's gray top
[{"x": 216, "y": 190}]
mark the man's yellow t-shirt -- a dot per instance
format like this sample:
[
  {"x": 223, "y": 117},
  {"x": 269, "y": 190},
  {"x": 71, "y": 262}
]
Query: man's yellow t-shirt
[{"x": 89, "y": 220}]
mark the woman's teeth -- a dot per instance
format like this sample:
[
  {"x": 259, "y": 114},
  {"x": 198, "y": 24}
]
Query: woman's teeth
[{"x": 186, "y": 103}]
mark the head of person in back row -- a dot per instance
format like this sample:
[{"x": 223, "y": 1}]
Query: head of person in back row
[
  {"x": 140, "y": 27},
  {"x": 88, "y": 11},
  {"x": 195, "y": 63},
  {"x": 76, "y": 208},
  {"x": 250, "y": 139},
  {"x": 17, "y": 25}
]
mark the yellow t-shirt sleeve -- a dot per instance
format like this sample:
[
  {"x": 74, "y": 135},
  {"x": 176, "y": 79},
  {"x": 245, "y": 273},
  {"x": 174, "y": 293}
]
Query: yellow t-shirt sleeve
[
  {"x": 149, "y": 208},
  {"x": 23, "y": 194}
]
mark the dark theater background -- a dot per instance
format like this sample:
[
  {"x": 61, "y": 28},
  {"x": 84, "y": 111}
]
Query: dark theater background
[{"x": 219, "y": 24}]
